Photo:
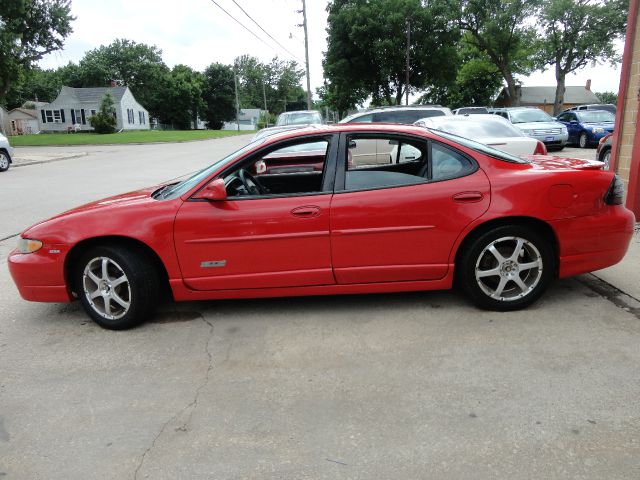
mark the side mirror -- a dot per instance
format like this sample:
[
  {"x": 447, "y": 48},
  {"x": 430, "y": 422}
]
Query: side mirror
[
  {"x": 214, "y": 191},
  {"x": 352, "y": 144}
]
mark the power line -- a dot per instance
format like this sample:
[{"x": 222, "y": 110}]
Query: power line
[
  {"x": 244, "y": 26},
  {"x": 268, "y": 34}
]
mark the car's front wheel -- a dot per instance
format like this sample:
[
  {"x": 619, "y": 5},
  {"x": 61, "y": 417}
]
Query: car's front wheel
[
  {"x": 583, "y": 142},
  {"x": 118, "y": 286},
  {"x": 4, "y": 161},
  {"x": 506, "y": 268},
  {"x": 606, "y": 158}
]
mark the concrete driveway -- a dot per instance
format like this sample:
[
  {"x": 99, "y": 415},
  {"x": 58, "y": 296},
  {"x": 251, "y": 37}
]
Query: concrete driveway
[{"x": 417, "y": 385}]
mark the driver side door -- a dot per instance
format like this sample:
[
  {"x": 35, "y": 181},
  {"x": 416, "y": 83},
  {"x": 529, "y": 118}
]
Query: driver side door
[{"x": 273, "y": 239}]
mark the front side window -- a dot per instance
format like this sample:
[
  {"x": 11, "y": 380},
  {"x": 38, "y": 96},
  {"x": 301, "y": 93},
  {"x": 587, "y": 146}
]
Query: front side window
[{"x": 292, "y": 169}]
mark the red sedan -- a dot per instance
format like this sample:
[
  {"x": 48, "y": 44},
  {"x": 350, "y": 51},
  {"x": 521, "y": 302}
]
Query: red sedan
[{"x": 452, "y": 211}]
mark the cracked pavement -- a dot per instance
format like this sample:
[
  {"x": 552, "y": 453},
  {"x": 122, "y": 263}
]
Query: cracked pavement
[{"x": 374, "y": 386}]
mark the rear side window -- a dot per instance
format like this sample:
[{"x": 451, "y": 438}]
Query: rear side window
[{"x": 447, "y": 163}]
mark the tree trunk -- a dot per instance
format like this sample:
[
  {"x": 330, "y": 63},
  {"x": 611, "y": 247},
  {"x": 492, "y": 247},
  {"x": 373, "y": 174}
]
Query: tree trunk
[
  {"x": 558, "y": 104},
  {"x": 514, "y": 99}
]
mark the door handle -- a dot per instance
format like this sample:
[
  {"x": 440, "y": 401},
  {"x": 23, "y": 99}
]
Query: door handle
[
  {"x": 306, "y": 211},
  {"x": 467, "y": 197}
]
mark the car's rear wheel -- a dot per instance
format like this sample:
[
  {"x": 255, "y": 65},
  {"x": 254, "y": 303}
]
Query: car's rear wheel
[
  {"x": 507, "y": 268},
  {"x": 118, "y": 287},
  {"x": 582, "y": 140},
  {"x": 4, "y": 161}
]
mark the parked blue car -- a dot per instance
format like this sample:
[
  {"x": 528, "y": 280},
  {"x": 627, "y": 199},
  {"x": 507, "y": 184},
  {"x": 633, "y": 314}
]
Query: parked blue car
[{"x": 587, "y": 127}]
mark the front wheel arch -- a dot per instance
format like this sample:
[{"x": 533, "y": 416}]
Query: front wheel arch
[{"x": 75, "y": 254}]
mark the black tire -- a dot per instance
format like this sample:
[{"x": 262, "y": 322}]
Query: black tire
[
  {"x": 140, "y": 290},
  {"x": 583, "y": 141},
  {"x": 605, "y": 156},
  {"x": 5, "y": 161},
  {"x": 476, "y": 257}
]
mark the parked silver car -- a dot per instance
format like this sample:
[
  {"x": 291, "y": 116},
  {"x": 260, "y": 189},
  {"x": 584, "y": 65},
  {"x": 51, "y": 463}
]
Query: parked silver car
[
  {"x": 291, "y": 121},
  {"x": 536, "y": 124},
  {"x": 6, "y": 153}
]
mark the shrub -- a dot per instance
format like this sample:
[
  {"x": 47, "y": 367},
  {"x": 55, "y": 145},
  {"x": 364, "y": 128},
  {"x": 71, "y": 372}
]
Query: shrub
[{"x": 105, "y": 120}]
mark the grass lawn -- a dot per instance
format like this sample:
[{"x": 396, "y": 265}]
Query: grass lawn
[{"x": 143, "y": 136}]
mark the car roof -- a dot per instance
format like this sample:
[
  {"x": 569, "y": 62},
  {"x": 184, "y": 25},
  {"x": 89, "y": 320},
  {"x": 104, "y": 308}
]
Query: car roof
[
  {"x": 299, "y": 111},
  {"x": 467, "y": 118},
  {"x": 345, "y": 127}
]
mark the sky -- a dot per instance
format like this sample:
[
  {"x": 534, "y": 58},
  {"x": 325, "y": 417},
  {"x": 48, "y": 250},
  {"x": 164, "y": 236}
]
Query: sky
[{"x": 198, "y": 33}]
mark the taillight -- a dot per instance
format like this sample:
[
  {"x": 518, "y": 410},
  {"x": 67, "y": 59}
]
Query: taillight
[
  {"x": 615, "y": 193},
  {"x": 541, "y": 149}
]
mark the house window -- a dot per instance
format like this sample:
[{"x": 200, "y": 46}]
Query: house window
[
  {"x": 49, "y": 116},
  {"x": 56, "y": 116},
  {"x": 78, "y": 115},
  {"x": 141, "y": 118},
  {"x": 93, "y": 112},
  {"x": 130, "y": 115}
]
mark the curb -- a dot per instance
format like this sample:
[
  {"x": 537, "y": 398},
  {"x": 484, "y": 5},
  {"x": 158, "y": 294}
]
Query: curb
[{"x": 27, "y": 163}]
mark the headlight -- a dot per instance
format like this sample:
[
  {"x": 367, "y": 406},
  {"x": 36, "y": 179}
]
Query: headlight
[
  {"x": 28, "y": 245},
  {"x": 597, "y": 129}
]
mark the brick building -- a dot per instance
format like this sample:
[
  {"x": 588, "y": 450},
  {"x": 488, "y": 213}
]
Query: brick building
[{"x": 625, "y": 155}]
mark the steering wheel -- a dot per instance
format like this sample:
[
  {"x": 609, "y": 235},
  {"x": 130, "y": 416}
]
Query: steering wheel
[{"x": 250, "y": 183}]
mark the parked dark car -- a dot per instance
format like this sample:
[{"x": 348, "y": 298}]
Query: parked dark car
[
  {"x": 587, "y": 127},
  {"x": 470, "y": 111},
  {"x": 401, "y": 114},
  {"x": 603, "y": 152}
]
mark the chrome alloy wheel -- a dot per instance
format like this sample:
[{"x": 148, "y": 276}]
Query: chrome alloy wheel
[
  {"x": 106, "y": 288},
  {"x": 508, "y": 269},
  {"x": 606, "y": 158},
  {"x": 4, "y": 161}
]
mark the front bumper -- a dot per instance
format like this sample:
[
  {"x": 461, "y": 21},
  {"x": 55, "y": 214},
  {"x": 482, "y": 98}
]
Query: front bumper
[{"x": 39, "y": 276}]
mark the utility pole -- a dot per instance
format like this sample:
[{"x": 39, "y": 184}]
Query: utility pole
[
  {"x": 235, "y": 83},
  {"x": 408, "y": 53},
  {"x": 306, "y": 51}
]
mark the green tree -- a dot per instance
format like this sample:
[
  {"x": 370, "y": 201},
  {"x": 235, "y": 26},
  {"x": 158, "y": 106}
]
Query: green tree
[
  {"x": 579, "y": 32},
  {"x": 477, "y": 80},
  {"x": 608, "y": 97},
  {"x": 366, "y": 47},
  {"x": 182, "y": 98},
  {"x": 105, "y": 120},
  {"x": 218, "y": 95},
  {"x": 29, "y": 29},
  {"x": 499, "y": 28},
  {"x": 278, "y": 82},
  {"x": 136, "y": 65}
]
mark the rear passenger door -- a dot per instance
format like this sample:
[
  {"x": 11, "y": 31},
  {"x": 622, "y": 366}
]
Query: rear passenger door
[{"x": 398, "y": 222}]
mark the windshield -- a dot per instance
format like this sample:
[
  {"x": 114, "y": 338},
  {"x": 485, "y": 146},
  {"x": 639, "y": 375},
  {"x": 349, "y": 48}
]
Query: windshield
[
  {"x": 174, "y": 191},
  {"x": 474, "y": 129},
  {"x": 529, "y": 115},
  {"x": 479, "y": 147},
  {"x": 302, "y": 118},
  {"x": 595, "y": 116}
]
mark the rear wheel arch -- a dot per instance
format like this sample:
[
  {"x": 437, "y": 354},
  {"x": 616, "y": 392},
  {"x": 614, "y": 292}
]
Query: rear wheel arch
[
  {"x": 78, "y": 250},
  {"x": 536, "y": 224}
]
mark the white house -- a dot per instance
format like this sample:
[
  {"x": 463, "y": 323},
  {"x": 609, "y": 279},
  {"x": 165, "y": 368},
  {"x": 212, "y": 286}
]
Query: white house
[
  {"x": 23, "y": 121},
  {"x": 74, "y": 106},
  {"x": 248, "y": 119}
]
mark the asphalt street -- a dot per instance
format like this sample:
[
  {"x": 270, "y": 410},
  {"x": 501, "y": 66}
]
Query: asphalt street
[{"x": 419, "y": 385}]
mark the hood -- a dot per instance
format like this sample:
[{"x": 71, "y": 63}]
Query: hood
[
  {"x": 107, "y": 205},
  {"x": 551, "y": 162}
]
